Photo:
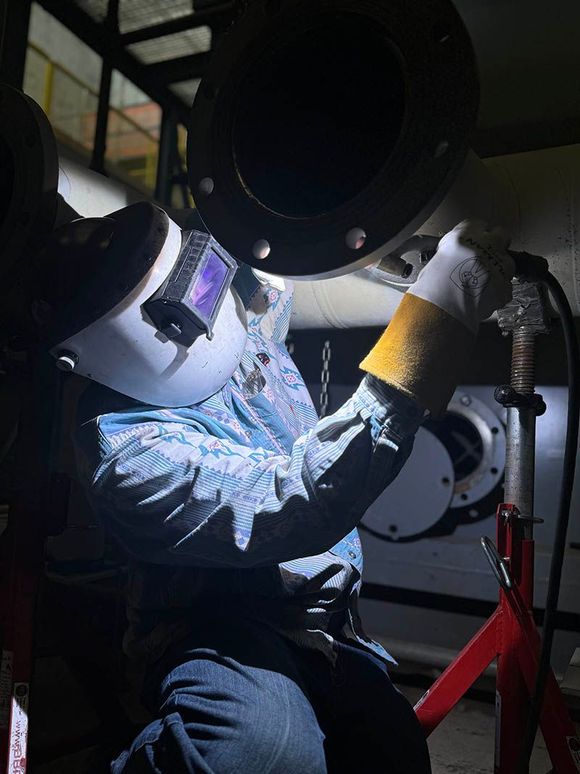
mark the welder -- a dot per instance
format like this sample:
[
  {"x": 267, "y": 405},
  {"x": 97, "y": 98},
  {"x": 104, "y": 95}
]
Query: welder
[{"x": 203, "y": 455}]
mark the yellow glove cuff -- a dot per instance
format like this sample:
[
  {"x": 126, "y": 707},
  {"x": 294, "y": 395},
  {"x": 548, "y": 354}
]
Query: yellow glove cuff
[{"x": 421, "y": 353}]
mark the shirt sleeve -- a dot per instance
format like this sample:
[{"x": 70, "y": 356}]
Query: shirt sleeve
[{"x": 174, "y": 494}]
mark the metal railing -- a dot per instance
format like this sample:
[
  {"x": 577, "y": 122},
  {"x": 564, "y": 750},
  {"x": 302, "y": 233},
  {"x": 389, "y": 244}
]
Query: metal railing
[{"x": 71, "y": 106}]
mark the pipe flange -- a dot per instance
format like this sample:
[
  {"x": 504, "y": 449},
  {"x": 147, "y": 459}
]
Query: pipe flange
[
  {"x": 29, "y": 181},
  {"x": 324, "y": 134},
  {"x": 475, "y": 438}
]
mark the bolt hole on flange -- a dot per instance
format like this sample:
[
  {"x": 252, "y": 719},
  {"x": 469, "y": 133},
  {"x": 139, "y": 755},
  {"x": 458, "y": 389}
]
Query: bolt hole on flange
[
  {"x": 261, "y": 249},
  {"x": 206, "y": 186},
  {"x": 356, "y": 238},
  {"x": 441, "y": 149},
  {"x": 441, "y": 35}
]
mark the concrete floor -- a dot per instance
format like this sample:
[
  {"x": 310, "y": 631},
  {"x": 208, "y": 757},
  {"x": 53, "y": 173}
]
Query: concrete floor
[{"x": 464, "y": 742}]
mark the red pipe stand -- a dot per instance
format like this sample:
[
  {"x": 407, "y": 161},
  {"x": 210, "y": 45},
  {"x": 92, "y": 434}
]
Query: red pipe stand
[{"x": 511, "y": 637}]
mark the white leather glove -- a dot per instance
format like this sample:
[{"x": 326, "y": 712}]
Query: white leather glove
[
  {"x": 469, "y": 277},
  {"x": 433, "y": 330}
]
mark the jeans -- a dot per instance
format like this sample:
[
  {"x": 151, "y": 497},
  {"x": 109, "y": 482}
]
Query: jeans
[{"x": 239, "y": 697}]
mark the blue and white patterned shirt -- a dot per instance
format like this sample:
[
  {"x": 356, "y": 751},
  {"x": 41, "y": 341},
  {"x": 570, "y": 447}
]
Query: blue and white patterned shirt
[{"x": 247, "y": 494}]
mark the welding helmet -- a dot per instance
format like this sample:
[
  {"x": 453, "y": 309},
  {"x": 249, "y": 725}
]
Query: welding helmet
[{"x": 139, "y": 305}]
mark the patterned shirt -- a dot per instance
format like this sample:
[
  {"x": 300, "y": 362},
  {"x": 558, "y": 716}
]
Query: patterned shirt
[{"x": 247, "y": 495}]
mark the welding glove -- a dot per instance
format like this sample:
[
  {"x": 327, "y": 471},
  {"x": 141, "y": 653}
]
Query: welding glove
[{"x": 434, "y": 328}]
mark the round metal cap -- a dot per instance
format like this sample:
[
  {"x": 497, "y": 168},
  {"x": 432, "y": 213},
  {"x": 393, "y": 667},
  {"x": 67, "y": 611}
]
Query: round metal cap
[
  {"x": 420, "y": 495},
  {"x": 66, "y": 361}
]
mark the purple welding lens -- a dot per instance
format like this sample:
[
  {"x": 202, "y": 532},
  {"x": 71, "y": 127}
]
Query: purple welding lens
[{"x": 208, "y": 285}]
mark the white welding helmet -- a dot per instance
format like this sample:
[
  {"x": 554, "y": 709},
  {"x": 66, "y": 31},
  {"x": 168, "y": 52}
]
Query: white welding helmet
[{"x": 143, "y": 307}]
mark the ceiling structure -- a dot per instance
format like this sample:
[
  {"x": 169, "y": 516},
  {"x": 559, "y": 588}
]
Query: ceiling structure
[
  {"x": 162, "y": 47},
  {"x": 528, "y": 59}
]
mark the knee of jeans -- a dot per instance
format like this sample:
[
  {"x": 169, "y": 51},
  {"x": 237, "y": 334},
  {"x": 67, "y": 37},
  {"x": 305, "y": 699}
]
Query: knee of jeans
[
  {"x": 272, "y": 730},
  {"x": 291, "y": 742}
]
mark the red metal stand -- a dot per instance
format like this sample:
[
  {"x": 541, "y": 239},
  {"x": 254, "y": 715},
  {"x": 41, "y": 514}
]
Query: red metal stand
[
  {"x": 23, "y": 549},
  {"x": 510, "y": 635},
  {"x": 37, "y": 510}
]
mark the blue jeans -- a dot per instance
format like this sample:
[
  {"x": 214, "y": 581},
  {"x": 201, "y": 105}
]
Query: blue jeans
[{"x": 238, "y": 697}]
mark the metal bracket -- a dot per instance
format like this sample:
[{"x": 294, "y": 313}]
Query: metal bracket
[
  {"x": 497, "y": 563},
  {"x": 508, "y": 397},
  {"x": 513, "y": 514},
  {"x": 528, "y": 308}
]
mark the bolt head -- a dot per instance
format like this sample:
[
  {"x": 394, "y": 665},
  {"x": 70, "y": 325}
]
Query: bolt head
[{"x": 67, "y": 361}]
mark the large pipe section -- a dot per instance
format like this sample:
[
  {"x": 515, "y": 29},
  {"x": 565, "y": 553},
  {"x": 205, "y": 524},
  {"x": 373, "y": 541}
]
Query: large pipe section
[
  {"x": 88, "y": 193},
  {"x": 535, "y": 196},
  {"x": 325, "y": 134}
]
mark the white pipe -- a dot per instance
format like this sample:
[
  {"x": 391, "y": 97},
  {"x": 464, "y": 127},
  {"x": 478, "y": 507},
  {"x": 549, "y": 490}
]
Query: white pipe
[
  {"x": 477, "y": 192},
  {"x": 92, "y": 195},
  {"x": 545, "y": 189},
  {"x": 535, "y": 196},
  {"x": 352, "y": 301}
]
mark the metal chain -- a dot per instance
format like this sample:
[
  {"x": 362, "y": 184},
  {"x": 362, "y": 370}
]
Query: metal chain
[{"x": 325, "y": 378}]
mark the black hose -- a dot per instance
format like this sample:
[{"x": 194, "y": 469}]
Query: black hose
[{"x": 573, "y": 418}]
